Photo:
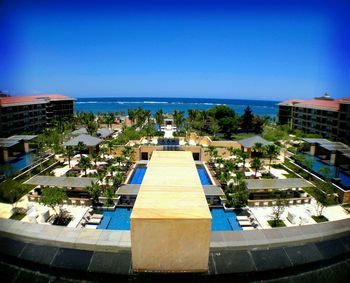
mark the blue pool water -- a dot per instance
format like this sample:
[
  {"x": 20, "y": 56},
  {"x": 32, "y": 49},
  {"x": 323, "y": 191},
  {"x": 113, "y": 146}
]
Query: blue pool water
[
  {"x": 21, "y": 162},
  {"x": 119, "y": 219},
  {"x": 224, "y": 220},
  {"x": 344, "y": 178},
  {"x": 138, "y": 174},
  {"x": 203, "y": 175}
]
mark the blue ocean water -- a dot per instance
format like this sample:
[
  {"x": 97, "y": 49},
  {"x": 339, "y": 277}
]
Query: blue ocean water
[{"x": 168, "y": 105}]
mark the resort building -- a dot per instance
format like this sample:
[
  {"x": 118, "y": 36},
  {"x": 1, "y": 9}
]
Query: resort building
[
  {"x": 30, "y": 114},
  {"x": 325, "y": 116},
  {"x": 92, "y": 143},
  {"x": 13, "y": 146}
]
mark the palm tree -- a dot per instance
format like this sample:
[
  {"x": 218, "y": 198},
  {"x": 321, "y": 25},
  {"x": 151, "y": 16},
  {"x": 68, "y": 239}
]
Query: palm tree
[
  {"x": 132, "y": 115},
  {"x": 95, "y": 156},
  {"x": 94, "y": 191},
  {"x": 81, "y": 147},
  {"x": 117, "y": 180},
  {"x": 256, "y": 164},
  {"x": 127, "y": 153},
  {"x": 110, "y": 145},
  {"x": 192, "y": 114},
  {"x": 159, "y": 116},
  {"x": 69, "y": 151},
  {"x": 147, "y": 114},
  {"x": 92, "y": 127},
  {"x": 214, "y": 127},
  {"x": 110, "y": 119},
  {"x": 212, "y": 151},
  {"x": 179, "y": 118},
  {"x": 85, "y": 163},
  {"x": 258, "y": 148},
  {"x": 272, "y": 152}
]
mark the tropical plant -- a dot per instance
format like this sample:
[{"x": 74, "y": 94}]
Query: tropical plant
[
  {"x": 247, "y": 117},
  {"x": 212, "y": 152},
  {"x": 109, "y": 119},
  {"x": 271, "y": 152},
  {"x": 109, "y": 194},
  {"x": 159, "y": 116},
  {"x": 258, "y": 148},
  {"x": 69, "y": 152},
  {"x": 94, "y": 191},
  {"x": 214, "y": 127},
  {"x": 95, "y": 157},
  {"x": 117, "y": 180},
  {"x": 244, "y": 155},
  {"x": 278, "y": 208},
  {"x": 238, "y": 191},
  {"x": 179, "y": 118},
  {"x": 92, "y": 127},
  {"x": 85, "y": 163},
  {"x": 53, "y": 197},
  {"x": 256, "y": 164},
  {"x": 81, "y": 147},
  {"x": 322, "y": 200}
]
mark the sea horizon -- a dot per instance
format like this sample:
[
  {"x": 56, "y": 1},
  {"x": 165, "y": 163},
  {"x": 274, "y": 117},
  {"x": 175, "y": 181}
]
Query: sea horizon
[{"x": 169, "y": 104}]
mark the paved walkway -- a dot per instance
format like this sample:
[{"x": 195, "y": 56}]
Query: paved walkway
[{"x": 263, "y": 214}]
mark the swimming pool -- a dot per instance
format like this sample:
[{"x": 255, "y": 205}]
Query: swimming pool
[
  {"x": 344, "y": 178},
  {"x": 203, "y": 175},
  {"x": 119, "y": 219},
  {"x": 138, "y": 174},
  {"x": 22, "y": 161},
  {"x": 140, "y": 171}
]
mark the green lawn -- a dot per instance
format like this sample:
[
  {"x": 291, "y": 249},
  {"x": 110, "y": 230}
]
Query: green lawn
[
  {"x": 17, "y": 216},
  {"x": 320, "y": 219},
  {"x": 279, "y": 223}
]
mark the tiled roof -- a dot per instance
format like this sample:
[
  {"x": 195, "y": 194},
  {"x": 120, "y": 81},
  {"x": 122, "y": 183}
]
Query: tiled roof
[
  {"x": 250, "y": 142},
  {"x": 316, "y": 103},
  {"x": 85, "y": 139},
  {"x": 34, "y": 99},
  {"x": 319, "y": 103}
]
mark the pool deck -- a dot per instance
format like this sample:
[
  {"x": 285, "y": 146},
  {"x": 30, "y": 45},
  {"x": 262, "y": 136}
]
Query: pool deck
[{"x": 170, "y": 208}]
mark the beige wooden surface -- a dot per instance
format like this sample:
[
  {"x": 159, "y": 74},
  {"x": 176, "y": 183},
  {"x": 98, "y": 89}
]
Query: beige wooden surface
[{"x": 170, "y": 222}]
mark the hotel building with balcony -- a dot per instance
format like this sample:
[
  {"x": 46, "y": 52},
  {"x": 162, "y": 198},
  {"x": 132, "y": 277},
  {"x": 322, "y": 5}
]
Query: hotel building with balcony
[
  {"x": 30, "y": 114},
  {"x": 330, "y": 118}
]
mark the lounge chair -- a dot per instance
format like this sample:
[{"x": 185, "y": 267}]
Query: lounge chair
[
  {"x": 242, "y": 218},
  {"x": 94, "y": 221},
  {"x": 97, "y": 216},
  {"x": 245, "y": 223},
  {"x": 244, "y": 228}
]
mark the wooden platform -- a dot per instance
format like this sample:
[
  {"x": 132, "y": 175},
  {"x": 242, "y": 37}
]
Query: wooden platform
[{"x": 170, "y": 222}]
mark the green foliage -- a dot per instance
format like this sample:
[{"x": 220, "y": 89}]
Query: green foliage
[
  {"x": 52, "y": 197},
  {"x": 236, "y": 192},
  {"x": 94, "y": 191},
  {"x": 247, "y": 117},
  {"x": 271, "y": 151},
  {"x": 179, "y": 118},
  {"x": 159, "y": 116},
  {"x": 256, "y": 164},
  {"x": 109, "y": 194},
  {"x": 278, "y": 208},
  {"x": 319, "y": 219},
  {"x": 276, "y": 224},
  {"x": 11, "y": 190},
  {"x": 85, "y": 163}
]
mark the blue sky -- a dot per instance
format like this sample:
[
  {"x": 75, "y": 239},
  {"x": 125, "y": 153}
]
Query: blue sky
[{"x": 214, "y": 49}]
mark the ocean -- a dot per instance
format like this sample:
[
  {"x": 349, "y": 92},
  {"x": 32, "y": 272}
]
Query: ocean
[{"x": 122, "y": 104}]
